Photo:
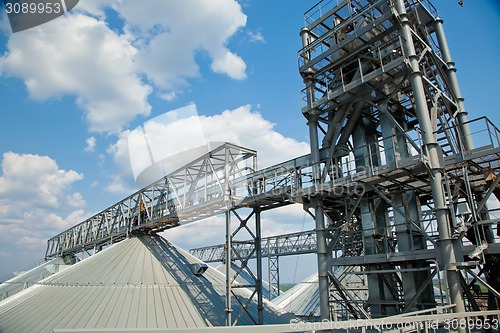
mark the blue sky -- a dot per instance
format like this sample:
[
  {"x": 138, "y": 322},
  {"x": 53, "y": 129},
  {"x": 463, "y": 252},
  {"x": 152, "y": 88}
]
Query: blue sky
[{"x": 72, "y": 88}]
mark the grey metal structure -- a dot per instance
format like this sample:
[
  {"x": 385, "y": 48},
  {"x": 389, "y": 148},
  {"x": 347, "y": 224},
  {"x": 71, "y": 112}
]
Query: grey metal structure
[
  {"x": 382, "y": 98},
  {"x": 271, "y": 248},
  {"x": 397, "y": 180},
  {"x": 194, "y": 192}
]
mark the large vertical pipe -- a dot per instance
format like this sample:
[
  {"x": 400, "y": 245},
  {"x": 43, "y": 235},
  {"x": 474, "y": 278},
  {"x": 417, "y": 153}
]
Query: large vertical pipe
[
  {"x": 319, "y": 217},
  {"x": 322, "y": 258},
  {"x": 229, "y": 308},
  {"x": 432, "y": 149},
  {"x": 227, "y": 199},
  {"x": 258, "y": 250},
  {"x": 396, "y": 147},
  {"x": 316, "y": 198},
  {"x": 451, "y": 73}
]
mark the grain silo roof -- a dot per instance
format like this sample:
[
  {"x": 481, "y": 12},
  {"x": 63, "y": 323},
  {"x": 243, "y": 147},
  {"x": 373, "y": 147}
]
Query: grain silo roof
[
  {"x": 30, "y": 277},
  {"x": 142, "y": 282},
  {"x": 302, "y": 299}
]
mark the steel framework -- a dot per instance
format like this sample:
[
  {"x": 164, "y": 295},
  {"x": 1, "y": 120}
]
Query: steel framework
[
  {"x": 381, "y": 92},
  {"x": 270, "y": 247},
  {"x": 191, "y": 193}
]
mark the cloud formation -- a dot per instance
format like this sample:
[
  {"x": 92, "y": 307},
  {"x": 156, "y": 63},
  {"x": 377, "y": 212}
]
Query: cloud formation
[
  {"x": 91, "y": 142},
  {"x": 240, "y": 126},
  {"x": 170, "y": 33},
  {"x": 36, "y": 202},
  {"x": 34, "y": 180},
  {"x": 256, "y": 37},
  {"x": 110, "y": 69},
  {"x": 80, "y": 56}
]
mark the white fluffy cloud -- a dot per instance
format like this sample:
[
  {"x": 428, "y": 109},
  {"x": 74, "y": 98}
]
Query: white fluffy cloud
[
  {"x": 80, "y": 56},
  {"x": 172, "y": 32},
  {"x": 240, "y": 126},
  {"x": 36, "y": 202},
  {"x": 91, "y": 142},
  {"x": 34, "y": 180},
  {"x": 85, "y": 56}
]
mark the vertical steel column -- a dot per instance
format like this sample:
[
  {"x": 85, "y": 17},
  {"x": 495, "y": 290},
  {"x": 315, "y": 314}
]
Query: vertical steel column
[
  {"x": 322, "y": 258},
  {"x": 407, "y": 208},
  {"x": 316, "y": 198},
  {"x": 228, "y": 268},
  {"x": 432, "y": 149},
  {"x": 258, "y": 250},
  {"x": 273, "y": 266},
  {"x": 451, "y": 73},
  {"x": 375, "y": 225},
  {"x": 227, "y": 200}
]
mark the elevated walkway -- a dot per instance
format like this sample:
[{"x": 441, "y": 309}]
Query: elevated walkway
[
  {"x": 282, "y": 245},
  {"x": 226, "y": 179}
]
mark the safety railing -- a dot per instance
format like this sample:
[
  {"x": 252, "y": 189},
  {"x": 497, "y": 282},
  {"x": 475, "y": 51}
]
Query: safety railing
[
  {"x": 483, "y": 132},
  {"x": 336, "y": 35},
  {"x": 425, "y": 3}
]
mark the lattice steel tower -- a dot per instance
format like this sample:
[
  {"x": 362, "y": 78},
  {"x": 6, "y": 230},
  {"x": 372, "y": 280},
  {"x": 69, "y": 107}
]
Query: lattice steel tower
[{"x": 400, "y": 189}]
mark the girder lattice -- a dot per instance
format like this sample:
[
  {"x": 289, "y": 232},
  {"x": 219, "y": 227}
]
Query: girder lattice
[{"x": 382, "y": 99}]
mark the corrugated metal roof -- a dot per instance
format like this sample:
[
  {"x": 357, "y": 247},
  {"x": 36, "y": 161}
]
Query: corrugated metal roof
[
  {"x": 214, "y": 305},
  {"x": 142, "y": 282},
  {"x": 30, "y": 277},
  {"x": 244, "y": 278},
  {"x": 302, "y": 299}
]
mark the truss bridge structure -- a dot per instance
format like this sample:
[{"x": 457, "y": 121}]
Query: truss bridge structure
[{"x": 272, "y": 248}]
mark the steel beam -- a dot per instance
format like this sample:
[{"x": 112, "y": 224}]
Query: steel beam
[
  {"x": 316, "y": 198},
  {"x": 258, "y": 250},
  {"x": 451, "y": 73},
  {"x": 229, "y": 277},
  {"x": 433, "y": 152}
]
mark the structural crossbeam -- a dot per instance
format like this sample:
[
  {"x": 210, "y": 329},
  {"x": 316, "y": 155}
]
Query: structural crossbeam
[{"x": 274, "y": 246}]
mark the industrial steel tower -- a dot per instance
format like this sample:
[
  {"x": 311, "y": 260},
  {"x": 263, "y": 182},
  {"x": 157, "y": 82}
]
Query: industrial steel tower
[{"x": 400, "y": 189}]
